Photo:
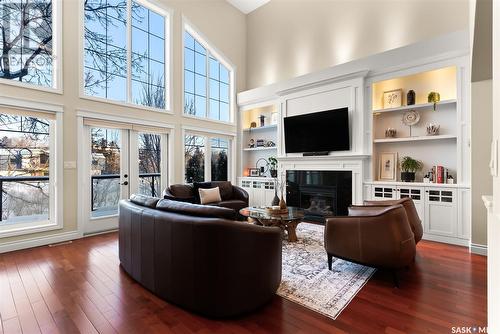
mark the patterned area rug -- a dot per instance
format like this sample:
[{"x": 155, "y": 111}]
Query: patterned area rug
[{"x": 307, "y": 281}]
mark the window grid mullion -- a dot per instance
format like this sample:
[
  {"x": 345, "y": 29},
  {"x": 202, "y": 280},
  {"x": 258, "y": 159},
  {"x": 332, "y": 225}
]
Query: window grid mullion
[
  {"x": 129, "y": 51},
  {"x": 207, "y": 83}
]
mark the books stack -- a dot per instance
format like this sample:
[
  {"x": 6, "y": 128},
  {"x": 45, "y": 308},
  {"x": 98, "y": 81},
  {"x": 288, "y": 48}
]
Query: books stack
[{"x": 439, "y": 174}]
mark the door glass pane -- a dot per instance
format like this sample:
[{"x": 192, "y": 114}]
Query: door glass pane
[
  {"x": 105, "y": 171},
  {"x": 149, "y": 146},
  {"x": 194, "y": 154},
  {"x": 219, "y": 148},
  {"x": 24, "y": 169}
]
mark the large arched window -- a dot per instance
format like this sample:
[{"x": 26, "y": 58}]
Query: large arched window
[{"x": 208, "y": 80}]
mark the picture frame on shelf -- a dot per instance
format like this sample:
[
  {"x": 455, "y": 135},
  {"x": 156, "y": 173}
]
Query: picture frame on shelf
[
  {"x": 253, "y": 172},
  {"x": 393, "y": 98},
  {"x": 387, "y": 168}
]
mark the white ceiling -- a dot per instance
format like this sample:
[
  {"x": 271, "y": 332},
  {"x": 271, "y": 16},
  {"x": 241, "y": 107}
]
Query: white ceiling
[{"x": 247, "y": 6}]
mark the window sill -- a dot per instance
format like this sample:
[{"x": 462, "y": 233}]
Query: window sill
[
  {"x": 205, "y": 119},
  {"x": 126, "y": 104},
  {"x": 29, "y": 229},
  {"x": 26, "y": 85}
]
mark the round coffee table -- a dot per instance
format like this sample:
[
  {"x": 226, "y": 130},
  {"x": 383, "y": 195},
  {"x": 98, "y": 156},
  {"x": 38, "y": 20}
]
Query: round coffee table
[{"x": 287, "y": 222}]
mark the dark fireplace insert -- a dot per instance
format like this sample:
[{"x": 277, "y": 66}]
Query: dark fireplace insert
[{"x": 321, "y": 194}]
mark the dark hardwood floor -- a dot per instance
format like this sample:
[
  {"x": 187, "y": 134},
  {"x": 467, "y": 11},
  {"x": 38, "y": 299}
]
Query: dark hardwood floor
[{"x": 80, "y": 287}]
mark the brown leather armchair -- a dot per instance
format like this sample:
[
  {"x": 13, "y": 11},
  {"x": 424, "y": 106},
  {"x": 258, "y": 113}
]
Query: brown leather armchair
[
  {"x": 411, "y": 213},
  {"x": 379, "y": 237}
]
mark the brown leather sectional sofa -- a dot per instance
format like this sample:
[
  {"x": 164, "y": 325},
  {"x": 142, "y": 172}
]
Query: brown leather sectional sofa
[
  {"x": 197, "y": 257},
  {"x": 233, "y": 197}
]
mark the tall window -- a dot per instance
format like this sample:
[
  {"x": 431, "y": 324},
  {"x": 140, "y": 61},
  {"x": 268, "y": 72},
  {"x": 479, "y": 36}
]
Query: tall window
[
  {"x": 194, "y": 156},
  {"x": 206, "y": 158},
  {"x": 207, "y": 82},
  {"x": 116, "y": 70},
  {"x": 219, "y": 167},
  {"x": 149, "y": 146},
  {"x": 27, "y": 42},
  {"x": 25, "y": 161}
]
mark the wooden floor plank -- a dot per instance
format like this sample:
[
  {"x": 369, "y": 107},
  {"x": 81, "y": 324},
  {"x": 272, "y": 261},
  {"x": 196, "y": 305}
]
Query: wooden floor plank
[{"x": 81, "y": 288}]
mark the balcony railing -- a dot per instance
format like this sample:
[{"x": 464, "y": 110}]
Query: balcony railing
[
  {"x": 112, "y": 188},
  {"x": 25, "y": 208}
]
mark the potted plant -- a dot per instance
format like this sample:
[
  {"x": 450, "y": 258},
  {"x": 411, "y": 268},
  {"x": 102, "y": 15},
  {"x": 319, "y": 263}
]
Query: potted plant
[
  {"x": 409, "y": 167},
  {"x": 273, "y": 166}
]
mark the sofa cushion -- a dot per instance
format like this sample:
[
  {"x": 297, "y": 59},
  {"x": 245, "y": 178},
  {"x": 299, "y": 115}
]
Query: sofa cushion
[
  {"x": 143, "y": 200},
  {"x": 182, "y": 192},
  {"x": 233, "y": 204},
  {"x": 195, "y": 209},
  {"x": 211, "y": 195},
  {"x": 197, "y": 186},
  {"x": 225, "y": 189}
]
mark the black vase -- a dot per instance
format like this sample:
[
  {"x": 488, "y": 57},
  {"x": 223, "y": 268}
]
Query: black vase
[
  {"x": 408, "y": 176},
  {"x": 410, "y": 97},
  {"x": 273, "y": 172},
  {"x": 276, "y": 199}
]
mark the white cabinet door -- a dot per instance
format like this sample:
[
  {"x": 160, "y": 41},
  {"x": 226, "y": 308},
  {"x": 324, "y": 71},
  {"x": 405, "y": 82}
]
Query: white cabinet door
[
  {"x": 384, "y": 192},
  {"x": 441, "y": 212},
  {"x": 417, "y": 195},
  {"x": 247, "y": 186}
]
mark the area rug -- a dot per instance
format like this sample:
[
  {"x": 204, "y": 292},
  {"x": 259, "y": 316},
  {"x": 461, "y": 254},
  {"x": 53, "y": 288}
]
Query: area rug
[{"x": 307, "y": 281}]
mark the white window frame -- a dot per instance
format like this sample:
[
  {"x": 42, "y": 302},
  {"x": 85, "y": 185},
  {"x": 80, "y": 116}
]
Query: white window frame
[
  {"x": 55, "y": 221},
  {"x": 208, "y": 135},
  {"x": 211, "y": 50},
  {"x": 57, "y": 64},
  {"x": 160, "y": 9}
]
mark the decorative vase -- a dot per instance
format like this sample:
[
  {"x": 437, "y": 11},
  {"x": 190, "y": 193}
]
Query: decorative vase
[
  {"x": 276, "y": 199},
  {"x": 410, "y": 97},
  {"x": 407, "y": 176},
  {"x": 282, "y": 201},
  {"x": 274, "y": 173}
]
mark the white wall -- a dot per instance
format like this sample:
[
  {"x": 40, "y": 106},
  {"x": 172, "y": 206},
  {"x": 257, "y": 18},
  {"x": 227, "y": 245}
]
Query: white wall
[
  {"x": 288, "y": 38},
  {"x": 481, "y": 114},
  {"x": 219, "y": 22}
]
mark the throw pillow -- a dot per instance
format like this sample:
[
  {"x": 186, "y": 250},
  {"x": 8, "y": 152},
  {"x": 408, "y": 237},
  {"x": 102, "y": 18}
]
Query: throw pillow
[{"x": 211, "y": 195}]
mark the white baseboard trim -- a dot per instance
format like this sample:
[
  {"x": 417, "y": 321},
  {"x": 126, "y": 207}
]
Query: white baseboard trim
[
  {"x": 38, "y": 241},
  {"x": 479, "y": 249},
  {"x": 446, "y": 240}
]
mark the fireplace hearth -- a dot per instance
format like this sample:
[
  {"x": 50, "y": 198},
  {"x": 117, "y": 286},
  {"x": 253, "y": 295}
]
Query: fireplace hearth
[{"x": 321, "y": 194}]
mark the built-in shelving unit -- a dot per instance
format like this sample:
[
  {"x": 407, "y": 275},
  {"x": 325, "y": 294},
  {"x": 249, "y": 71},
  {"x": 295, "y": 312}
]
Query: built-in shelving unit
[
  {"x": 417, "y": 138},
  {"x": 413, "y": 141},
  {"x": 266, "y": 133}
]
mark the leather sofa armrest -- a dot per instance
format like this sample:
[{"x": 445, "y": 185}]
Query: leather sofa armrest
[
  {"x": 240, "y": 194},
  {"x": 341, "y": 228},
  {"x": 368, "y": 210}
]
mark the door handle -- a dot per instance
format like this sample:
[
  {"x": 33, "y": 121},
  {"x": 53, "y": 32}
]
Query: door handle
[{"x": 124, "y": 183}]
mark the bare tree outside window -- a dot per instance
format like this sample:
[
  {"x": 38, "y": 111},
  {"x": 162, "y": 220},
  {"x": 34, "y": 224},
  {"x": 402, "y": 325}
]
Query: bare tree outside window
[
  {"x": 194, "y": 155},
  {"x": 24, "y": 169},
  {"x": 149, "y": 164},
  {"x": 26, "y": 40},
  {"x": 106, "y": 48}
]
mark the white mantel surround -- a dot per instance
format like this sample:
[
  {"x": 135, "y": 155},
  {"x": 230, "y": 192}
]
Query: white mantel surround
[{"x": 353, "y": 163}]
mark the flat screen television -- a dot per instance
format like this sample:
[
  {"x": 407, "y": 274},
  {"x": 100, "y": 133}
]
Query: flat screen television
[{"x": 317, "y": 132}]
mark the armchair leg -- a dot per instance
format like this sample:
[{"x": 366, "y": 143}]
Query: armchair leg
[{"x": 330, "y": 258}]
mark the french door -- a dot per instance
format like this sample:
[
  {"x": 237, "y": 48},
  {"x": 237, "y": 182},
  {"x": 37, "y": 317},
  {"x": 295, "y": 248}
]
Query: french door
[{"x": 120, "y": 160}]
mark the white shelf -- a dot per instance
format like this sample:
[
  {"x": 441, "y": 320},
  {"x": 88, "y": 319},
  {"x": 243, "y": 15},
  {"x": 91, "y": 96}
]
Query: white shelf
[
  {"x": 416, "y": 106},
  {"x": 416, "y": 184},
  {"x": 418, "y": 138},
  {"x": 265, "y": 148},
  {"x": 261, "y": 128}
]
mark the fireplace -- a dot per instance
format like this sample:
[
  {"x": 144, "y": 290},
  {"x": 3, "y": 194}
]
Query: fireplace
[{"x": 320, "y": 193}]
